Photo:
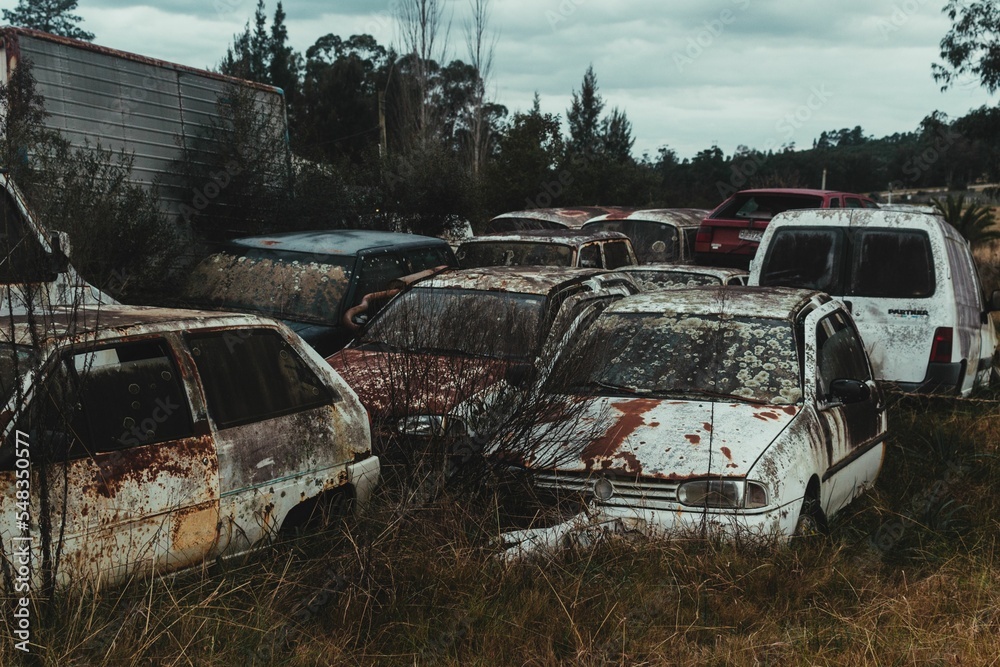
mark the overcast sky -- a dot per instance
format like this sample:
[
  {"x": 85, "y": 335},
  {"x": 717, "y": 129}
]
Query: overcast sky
[{"x": 689, "y": 73}]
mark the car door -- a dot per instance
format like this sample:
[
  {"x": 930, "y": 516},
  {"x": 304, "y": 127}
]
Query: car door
[
  {"x": 851, "y": 429},
  {"x": 132, "y": 477},
  {"x": 279, "y": 437}
]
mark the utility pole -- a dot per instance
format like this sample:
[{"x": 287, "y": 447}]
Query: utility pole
[{"x": 383, "y": 149}]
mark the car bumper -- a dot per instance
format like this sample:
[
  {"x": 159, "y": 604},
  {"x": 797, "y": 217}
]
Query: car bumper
[
  {"x": 363, "y": 476},
  {"x": 597, "y": 522},
  {"x": 940, "y": 379}
]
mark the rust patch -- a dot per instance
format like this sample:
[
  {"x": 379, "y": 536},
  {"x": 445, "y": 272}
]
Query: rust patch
[
  {"x": 707, "y": 427},
  {"x": 766, "y": 415},
  {"x": 694, "y": 439},
  {"x": 790, "y": 410},
  {"x": 143, "y": 465},
  {"x": 727, "y": 453},
  {"x": 629, "y": 422},
  {"x": 631, "y": 462}
]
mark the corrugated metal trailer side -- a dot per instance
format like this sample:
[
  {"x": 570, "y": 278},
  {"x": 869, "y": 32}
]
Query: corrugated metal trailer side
[{"x": 156, "y": 110}]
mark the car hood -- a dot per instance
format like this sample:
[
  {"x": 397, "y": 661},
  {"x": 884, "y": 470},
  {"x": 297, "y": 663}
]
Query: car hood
[
  {"x": 401, "y": 384},
  {"x": 660, "y": 438}
]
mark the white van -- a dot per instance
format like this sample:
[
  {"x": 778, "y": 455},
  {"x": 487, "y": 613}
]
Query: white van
[{"x": 908, "y": 279}]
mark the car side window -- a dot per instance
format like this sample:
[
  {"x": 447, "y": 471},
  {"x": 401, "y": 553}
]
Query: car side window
[
  {"x": 590, "y": 256},
  {"x": 421, "y": 259},
  {"x": 839, "y": 353},
  {"x": 853, "y": 202},
  {"x": 377, "y": 271},
  {"x": 868, "y": 203},
  {"x": 110, "y": 398},
  {"x": 616, "y": 254},
  {"x": 252, "y": 375},
  {"x": 834, "y": 202}
]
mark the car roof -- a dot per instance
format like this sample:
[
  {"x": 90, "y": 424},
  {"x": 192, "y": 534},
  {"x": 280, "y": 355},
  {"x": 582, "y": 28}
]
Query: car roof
[
  {"x": 721, "y": 272},
  {"x": 681, "y": 217},
  {"x": 519, "y": 279},
  {"x": 336, "y": 241},
  {"x": 767, "y": 302},
  {"x": 798, "y": 191},
  {"x": 85, "y": 324},
  {"x": 864, "y": 217},
  {"x": 564, "y": 236},
  {"x": 570, "y": 216}
]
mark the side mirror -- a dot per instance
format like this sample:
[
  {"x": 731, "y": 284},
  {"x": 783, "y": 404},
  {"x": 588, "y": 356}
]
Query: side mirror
[
  {"x": 850, "y": 391},
  {"x": 59, "y": 242}
]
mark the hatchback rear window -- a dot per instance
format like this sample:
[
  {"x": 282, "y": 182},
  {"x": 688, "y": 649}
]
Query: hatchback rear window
[{"x": 764, "y": 206}]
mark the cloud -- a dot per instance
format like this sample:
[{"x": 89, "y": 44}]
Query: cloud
[{"x": 688, "y": 73}]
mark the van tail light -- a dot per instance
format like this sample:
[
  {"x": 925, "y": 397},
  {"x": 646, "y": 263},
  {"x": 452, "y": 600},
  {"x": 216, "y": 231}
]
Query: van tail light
[
  {"x": 704, "y": 235},
  {"x": 941, "y": 347}
]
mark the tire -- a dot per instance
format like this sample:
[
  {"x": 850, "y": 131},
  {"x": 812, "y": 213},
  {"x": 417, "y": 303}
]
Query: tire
[{"x": 811, "y": 521}]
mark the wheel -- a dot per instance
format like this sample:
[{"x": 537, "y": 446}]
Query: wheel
[{"x": 811, "y": 521}]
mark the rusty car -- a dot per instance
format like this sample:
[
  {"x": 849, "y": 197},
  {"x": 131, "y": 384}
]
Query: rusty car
[
  {"x": 151, "y": 439},
  {"x": 571, "y": 248},
  {"x": 547, "y": 218},
  {"x": 706, "y": 411},
  {"x": 730, "y": 234},
  {"x": 657, "y": 234},
  {"x": 460, "y": 332},
  {"x": 678, "y": 276},
  {"x": 309, "y": 280}
]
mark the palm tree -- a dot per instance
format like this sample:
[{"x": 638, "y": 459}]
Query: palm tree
[{"x": 974, "y": 222}]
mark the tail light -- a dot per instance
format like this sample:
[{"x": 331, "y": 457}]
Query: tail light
[
  {"x": 941, "y": 347},
  {"x": 704, "y": 235}
]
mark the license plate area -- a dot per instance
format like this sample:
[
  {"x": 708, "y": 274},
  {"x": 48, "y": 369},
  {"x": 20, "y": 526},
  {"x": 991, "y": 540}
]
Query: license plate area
[{"x": 751, "y": 235}]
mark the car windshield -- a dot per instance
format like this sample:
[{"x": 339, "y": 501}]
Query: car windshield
[
  {"x": 652, "y": 241},
  {"x": 687, "y": 356},
  {"x": 284, "y": 285},
  {"x": 518, "y": 253},
  {"x": 499, "y": 325},
  {"x": 763, "y": 206}
]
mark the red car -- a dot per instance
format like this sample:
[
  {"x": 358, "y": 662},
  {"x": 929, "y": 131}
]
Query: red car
[{"x": 730, "y": 234}]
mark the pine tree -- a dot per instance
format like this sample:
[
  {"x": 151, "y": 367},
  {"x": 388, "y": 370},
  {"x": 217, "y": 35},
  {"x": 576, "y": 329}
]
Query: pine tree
[
  {"x": 584, "y": 116},
  {"x": 52, "y": 16}
]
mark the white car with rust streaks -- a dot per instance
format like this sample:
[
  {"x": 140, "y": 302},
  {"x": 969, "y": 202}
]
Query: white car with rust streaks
[{"x": 708, "y": 410}]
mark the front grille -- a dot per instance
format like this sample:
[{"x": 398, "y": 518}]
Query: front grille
[{"x": 650, "y": 493}]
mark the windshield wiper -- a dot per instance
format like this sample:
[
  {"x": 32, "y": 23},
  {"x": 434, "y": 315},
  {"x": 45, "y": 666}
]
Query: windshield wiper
[{"x": 718, "y": 394}]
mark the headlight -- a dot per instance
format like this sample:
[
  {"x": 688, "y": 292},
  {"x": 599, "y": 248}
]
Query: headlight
[
  {"x": 722, "y": 493},
  {"x": 427, "y": 426},
  {"x": 604, "y": 489}
]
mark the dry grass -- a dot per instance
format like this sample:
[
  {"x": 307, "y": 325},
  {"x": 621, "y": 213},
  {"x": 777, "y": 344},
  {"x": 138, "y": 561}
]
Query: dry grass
[{"x": 418, "y": 586}]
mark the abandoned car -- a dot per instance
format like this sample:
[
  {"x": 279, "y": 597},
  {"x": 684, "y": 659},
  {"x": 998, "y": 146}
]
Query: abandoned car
[
  {"x": 657, "y": 234},
  {"x": 729, "y": 235},
  {"x": 572, "y": 248},
  {"x": 678, "y": 276},
  {"x": 908, "y": 279},
  {"x": 453, "y": 335},
  {"x": 706, "y": 411},
  {"x": 310, "y": 280},
  {"x": 168, "y": 437}
]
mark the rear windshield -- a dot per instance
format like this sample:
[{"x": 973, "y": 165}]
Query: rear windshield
[
  {"x": 651, "y": 241},
  {"x": 504, "y": 225},
  {"x": 764, "y": 206},
  {"x": 307, "y": 291},
  {"x": 654, "y": 280},
  {"x": 888, "y": 263},
  {"x": 513, "y": 253}
]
